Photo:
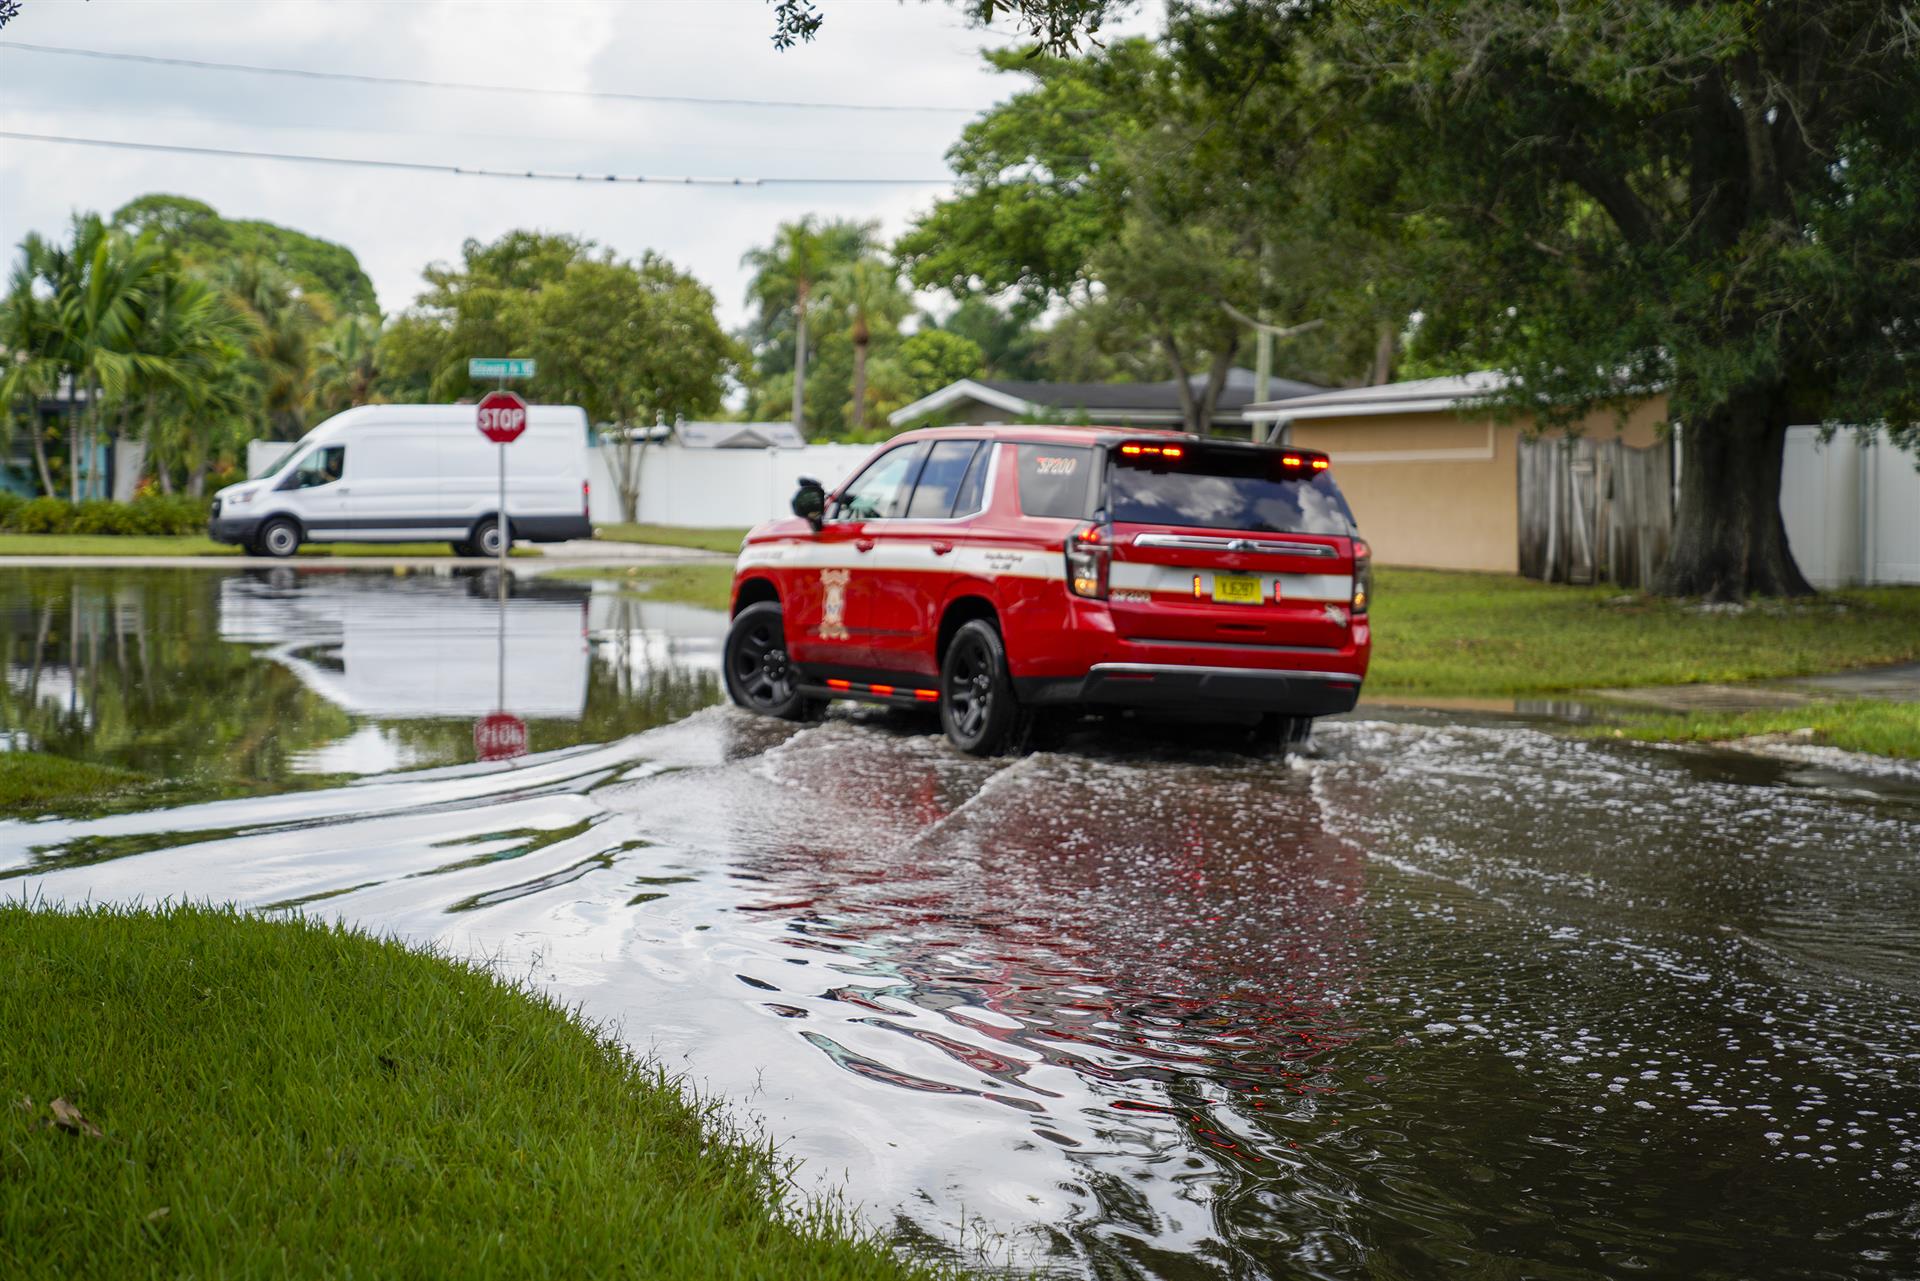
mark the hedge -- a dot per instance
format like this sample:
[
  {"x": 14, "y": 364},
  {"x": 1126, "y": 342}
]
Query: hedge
[{"x": 151, "y": 514}]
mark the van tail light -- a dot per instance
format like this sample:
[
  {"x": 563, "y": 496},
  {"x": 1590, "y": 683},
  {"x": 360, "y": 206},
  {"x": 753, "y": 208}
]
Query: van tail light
[
  {"x": 1087, "y": 557},
  {"x": 1362, "y": 576},
  {"x": 586, "y": 498}
]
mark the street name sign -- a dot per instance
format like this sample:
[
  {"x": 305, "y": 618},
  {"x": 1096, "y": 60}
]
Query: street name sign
[
  {"x": 513, "y": 367},
  {"x": 502, "y": 416}
]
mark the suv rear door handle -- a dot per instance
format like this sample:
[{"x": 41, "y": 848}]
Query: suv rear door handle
[
  {"x": 942, "y": 548},
  {"x": 863, "y": 544}
]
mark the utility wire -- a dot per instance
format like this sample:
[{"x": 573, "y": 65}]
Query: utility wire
[
  {"x": 469, "y": 171},
  {"x": 308, "y": 73}
]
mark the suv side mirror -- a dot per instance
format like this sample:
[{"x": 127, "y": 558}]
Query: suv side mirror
[{"x": 810, "y": 502}]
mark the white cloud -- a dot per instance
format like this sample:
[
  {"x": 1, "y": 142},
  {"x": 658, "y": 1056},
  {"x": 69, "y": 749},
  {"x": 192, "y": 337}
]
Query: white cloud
[{"x": 869, "y": 51}]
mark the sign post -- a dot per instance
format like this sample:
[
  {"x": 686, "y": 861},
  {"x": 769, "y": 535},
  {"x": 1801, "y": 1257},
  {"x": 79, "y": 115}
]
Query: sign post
[{"x": 502, "y": 417}]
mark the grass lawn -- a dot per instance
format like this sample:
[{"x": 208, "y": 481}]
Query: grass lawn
[
  {"x": 241, "y": 1097},
  {"x": 1859, "y": 725},
  {"x": 1460, "y": 635},
  {"x": 197, "y": 545},
  {"x": 712, "y": 540},
  {"x": 33, "y": 780},
  {"x": 708, "y": 584}
]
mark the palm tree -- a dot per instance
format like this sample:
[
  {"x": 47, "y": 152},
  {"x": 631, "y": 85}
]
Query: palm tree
[
  {"x": 870, "y": 291},
  {"x": 789, "y": 269},
  {"x": 29, "y": 350},
  {"x": 286, "y": 322},
  {"x": 193, "y": 343},
  {"x": 348, "y": 363},
  {"x": 99, "y": 286}
]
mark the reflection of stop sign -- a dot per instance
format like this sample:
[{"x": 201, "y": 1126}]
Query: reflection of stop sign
[
  {"x": 499, "y": 737},
  {"x": 503, "y": 416}
]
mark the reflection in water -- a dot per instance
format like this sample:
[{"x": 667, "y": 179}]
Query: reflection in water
[
  {"x": 227, "y": 682},
  {"x": 1440, "y": 1000}
]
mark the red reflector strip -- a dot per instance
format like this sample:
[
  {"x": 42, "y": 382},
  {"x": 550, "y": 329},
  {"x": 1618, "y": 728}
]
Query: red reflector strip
[
  {"x": 884, "y": 690},
  {"x": 927, "y": 695},
  {"x": 837, "y": 684}
]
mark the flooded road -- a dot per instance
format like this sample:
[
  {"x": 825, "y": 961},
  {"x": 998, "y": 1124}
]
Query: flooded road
[{"x": 1440, "y": 997}]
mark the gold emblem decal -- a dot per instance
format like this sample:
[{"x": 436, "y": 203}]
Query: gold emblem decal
[{"x": 833, "y": 603}]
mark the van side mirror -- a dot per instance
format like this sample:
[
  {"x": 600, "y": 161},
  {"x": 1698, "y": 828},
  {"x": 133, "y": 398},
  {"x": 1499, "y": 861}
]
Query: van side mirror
[{"x": 810, "y": 502}]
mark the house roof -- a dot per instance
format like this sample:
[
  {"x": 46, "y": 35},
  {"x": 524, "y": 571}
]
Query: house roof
[
  {"x": 1117, "y": 402},
  {"x": 1414, "y": 396},
  {"x": 711, "y": 435}
]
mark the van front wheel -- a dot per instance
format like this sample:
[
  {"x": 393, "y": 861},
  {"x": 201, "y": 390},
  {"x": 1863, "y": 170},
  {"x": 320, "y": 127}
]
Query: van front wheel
[
  {"x": 278, "y": 538},
  {"x": 487, "y": 535}
]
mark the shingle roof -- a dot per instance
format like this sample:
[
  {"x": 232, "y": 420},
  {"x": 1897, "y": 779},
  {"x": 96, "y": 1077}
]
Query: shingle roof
[
  {"x": 1151, "y": 401},
  {"x": 711, "y": 435}
]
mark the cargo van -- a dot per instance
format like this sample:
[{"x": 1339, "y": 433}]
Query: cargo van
[{"x": 414, "y": 473}]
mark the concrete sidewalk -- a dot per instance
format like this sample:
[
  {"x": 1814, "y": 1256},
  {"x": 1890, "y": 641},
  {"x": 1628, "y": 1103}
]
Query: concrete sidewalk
[
  {"x": 1897, "y": 684},
  {"x": 587, "y": 552}
]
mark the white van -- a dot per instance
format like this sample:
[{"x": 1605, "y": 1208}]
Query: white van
[{"x": 413, "y": 473}]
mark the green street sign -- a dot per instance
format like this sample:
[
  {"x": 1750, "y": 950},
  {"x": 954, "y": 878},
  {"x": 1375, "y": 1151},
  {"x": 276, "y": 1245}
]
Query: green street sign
[{"x": 499, "y": 367}]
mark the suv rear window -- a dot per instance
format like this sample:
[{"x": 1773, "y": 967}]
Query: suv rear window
[
  {"x": 1055, "y": 480},
  {"x": 1212, "y": 488}
]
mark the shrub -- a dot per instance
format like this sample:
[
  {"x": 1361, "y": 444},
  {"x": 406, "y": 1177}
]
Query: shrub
[
  {"x": 42, "y": 516},
  {"x": 9, "y": 504},
  {"x": 98, "y": 516}
]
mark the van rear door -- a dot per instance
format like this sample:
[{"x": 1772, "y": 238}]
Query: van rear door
[{"x": 1217, "y": 543}]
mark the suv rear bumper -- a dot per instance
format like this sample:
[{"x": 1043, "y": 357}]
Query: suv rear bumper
[{"x": 1168, "y": 686}]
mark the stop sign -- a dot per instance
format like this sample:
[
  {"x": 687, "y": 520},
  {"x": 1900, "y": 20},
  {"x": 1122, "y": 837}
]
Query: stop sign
[
  {"x": 503, "y": 416},
  {"x": 500, "y": 736}
]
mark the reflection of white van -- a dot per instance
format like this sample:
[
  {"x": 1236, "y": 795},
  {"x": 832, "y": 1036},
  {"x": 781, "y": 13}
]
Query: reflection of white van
[{"x": 411, "y": 473}]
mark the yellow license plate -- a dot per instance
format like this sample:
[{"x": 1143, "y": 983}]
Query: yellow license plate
[{"x": 1236, "y": 589}]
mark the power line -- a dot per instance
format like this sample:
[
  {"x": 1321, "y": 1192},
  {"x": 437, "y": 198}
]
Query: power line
[
  {"x": 308, "y": 73},
  {"x": 469, "y": 171}
]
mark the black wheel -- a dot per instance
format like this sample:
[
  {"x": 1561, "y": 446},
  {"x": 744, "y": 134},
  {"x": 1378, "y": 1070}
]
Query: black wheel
[
  {"x": 486, "y": 538},
  {"x": 759, "y": 675},
  {"x": 1279, "y": 735},
  {"x": 977, "y": 706},
  {"x": 464, "y": 547},
  {"x": 278, "y": 538}
]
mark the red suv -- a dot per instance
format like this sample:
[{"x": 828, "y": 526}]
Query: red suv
[{"x": 1000, "y": 571}]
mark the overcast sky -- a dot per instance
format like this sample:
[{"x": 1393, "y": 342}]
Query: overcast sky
[{"x": 870, "y": 51}]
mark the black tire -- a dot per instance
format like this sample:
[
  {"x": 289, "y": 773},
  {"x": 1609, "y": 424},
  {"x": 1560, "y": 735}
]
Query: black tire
[
  {"x": 278, "y": 538},
  {"x": 464, "y": 547},
  {"x": 759, "y": 675},
  {"x": 977, "y": 705},
  {"x": 485, "y": 538}
]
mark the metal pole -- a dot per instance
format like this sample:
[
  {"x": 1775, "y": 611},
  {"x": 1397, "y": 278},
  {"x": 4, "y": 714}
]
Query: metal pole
[{"x": 500, "y": 522}]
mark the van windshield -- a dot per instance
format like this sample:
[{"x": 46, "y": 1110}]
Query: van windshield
[{"x": 1213, "y": 488}]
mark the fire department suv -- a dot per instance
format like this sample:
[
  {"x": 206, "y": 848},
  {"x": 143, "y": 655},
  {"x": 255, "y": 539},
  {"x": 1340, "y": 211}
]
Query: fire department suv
[{"x": 1002, "y": 571}]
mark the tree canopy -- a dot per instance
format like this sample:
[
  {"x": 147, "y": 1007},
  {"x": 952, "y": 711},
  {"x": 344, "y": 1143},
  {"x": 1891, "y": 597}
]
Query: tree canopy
[{"x": 203, "y": 238}]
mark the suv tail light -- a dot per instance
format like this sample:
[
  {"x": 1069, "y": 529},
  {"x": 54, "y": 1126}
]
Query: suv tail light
[
  {"x": 1087, "y": 558},
  {"x": 1362, "y": 576}
]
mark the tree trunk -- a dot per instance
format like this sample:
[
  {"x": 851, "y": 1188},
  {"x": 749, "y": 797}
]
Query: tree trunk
[
  {"x": 40, "y": 456},
  {"x": 1189, "y": 411},
  {"x": 1216, "y": 379},
  {"x": 800, "y": 362},
  {"x": 859, "y": 379},
  {"x": 72, "y": 425},
  {"x": 1729, "y": 541},
  {"x": 1381, "y": 371},
  {"x": 197, "y": 479}
]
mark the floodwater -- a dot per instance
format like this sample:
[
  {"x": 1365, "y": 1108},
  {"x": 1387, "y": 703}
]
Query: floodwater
[{"x": 1446, "y": 996}]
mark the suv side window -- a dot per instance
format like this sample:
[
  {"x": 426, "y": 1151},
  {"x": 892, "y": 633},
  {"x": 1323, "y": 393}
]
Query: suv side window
[
  {"x": 972, "y": 498},
  {"x": 1056, "y": 480},
  {"x": 881, "y": 491},
  {"x": 940, "y": 480}
]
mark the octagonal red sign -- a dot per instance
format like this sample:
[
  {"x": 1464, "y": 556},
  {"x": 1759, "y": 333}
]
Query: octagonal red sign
[
  {"x": 500, "y": 736},
  {"x": 503, "y": 416}
]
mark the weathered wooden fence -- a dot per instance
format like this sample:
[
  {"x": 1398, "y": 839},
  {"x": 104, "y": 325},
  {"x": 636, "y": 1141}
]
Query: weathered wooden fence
[{"x": 1594, "y": 511}]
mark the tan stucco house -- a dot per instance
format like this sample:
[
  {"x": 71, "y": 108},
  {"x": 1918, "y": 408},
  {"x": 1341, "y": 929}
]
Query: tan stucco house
[{"x": 1433, "y": 480}]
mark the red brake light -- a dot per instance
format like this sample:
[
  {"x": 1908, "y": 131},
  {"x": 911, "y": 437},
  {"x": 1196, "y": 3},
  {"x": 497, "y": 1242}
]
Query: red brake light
[
  {"x": 839, "y": 684},
  {"x": 1321, "y": 464},
  {"x": 1292, "y": 460},
  {"x": 1087, "y": 556},
  {"x": 1154, "y": 451},
  {"x": 1087, "y": 534},
  {"x": 927, "y": 695}
]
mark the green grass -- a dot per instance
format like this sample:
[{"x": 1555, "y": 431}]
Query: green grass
[
  {"x": 710, "y": 540},
  {"x": 282, "y": 1098},
  {"x": 1861, "y": 725},
  {"x": 34, "y": 781},
  {"x": 197, "y": 545},
  {"x": 708, "y": 584},
  {"x": 1464, "y": 635}
]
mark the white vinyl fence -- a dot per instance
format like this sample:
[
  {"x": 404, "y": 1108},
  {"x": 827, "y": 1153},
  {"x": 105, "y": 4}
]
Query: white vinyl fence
[
  {"x": 1852, "y": 509},
  {"x": 720, "y": 487}
]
